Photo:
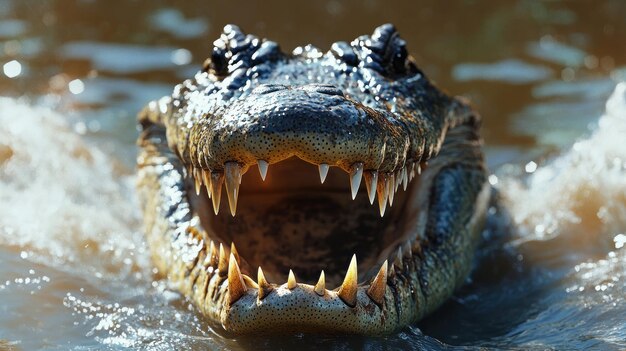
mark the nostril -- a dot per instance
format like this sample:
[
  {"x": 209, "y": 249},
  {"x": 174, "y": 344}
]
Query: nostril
[
  {"x": 268, "y": 88},
  {"x": 327, "y": 89}
]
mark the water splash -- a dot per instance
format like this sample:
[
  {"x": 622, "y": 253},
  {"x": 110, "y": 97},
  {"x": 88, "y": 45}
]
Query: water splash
[
  {"x": 581, "y": 192},
  {"x": 570, "y": 216},
  {"x": 63, "y": 199}
]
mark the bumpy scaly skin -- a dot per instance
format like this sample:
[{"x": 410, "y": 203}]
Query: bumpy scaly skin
[{"x": 360, "y": 102}]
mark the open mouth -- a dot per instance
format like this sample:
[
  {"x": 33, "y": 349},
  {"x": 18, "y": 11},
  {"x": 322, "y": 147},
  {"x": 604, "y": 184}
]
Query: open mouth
[
  {"x": 283, "y": 192},
  {"x": 295, "y": 223}
]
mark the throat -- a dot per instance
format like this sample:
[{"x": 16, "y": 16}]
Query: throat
[
  {"x": 304, "y": 232},
  {"x": 292, "y": 221}
]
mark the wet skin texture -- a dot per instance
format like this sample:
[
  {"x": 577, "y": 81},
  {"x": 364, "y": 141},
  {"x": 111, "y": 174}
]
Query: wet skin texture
[{"x": 363, "y": 107}]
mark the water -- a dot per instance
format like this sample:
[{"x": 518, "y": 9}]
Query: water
[{"x": 75, "y": 272}]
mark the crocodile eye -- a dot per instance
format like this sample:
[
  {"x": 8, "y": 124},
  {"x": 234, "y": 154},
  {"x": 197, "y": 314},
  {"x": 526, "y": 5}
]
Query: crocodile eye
[
  {"x": 234, "y": 50},
  {"x": 384, "y": 52},
  {"x": 217, "y": 63},
  {"x": 229, "y": 43},
  {"x": 398, "y": 60},
  {"x": 343, "y": 51}
]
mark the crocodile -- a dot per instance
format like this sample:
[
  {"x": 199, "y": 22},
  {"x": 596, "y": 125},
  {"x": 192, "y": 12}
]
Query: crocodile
[{"x": 272, "y": 258}]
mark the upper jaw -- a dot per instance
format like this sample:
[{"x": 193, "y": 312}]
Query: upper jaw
[{"x": 314, "y": 122}]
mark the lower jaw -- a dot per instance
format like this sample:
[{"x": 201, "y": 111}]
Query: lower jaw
[{"x": 301, "y": 309}]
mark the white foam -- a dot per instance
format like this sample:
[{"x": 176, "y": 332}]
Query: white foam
[
  {"x": 62, "y": 198},
  {"x": 582, "y": 191}
]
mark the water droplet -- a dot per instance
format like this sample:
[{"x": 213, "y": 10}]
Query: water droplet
[
  {"x": 530, "y": 167},
  {"x": 181, "y": 57},
  {"x": 12, "y": 69},
  {"x": 493, "y": 179},
  {"x": 76, "y": 86}
]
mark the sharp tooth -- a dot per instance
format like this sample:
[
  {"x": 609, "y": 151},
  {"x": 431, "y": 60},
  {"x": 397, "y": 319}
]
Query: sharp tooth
[
  {"x": 222, "y": 265},
  {"x": 213, "y": 255},
  {"x": 411, "y": 171},
  {"x": 398, "y": 260},
  {"x": 382, "y": 188},
  {"x": 320, "y": 287},
  {"x": 392, "y": 185},
  {"x": 398, "y": 180},
  {"x": 371, "y": 178},
  {"x": 356, "y": 173},
  {"x": 233, "y": 250},
  {"x": 392, "y": 272},
  {"x": 250, "y": 282},
  {"x": 264, "y": 287},
  {"x": 236, "y": 285},
  {"x": 206, "y": 177},
  {"x": 291, "y": 281},
  {"x": 209, "y": 253},
  {"x": 407, "y": 252},
  {"x": 377, "y": 289},
  {"x": 197, "y": 178},
  {"x": 217, "y": 179},
  {"x": 232, "y": 173},
  {"x": 263, "y": 166},
  {"x": 417, "y": 247},
  {"x": 405, "y": 178},
  {"x": 419, "y": 168},
  {"x": 323, "y": 168},
  {"x": 347, "y": 291}
]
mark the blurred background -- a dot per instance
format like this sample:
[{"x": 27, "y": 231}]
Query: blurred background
[{"x": 539, "y": 72}]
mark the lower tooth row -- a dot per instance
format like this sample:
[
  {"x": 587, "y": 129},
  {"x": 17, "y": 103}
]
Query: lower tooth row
[
  {"x": 239, "y": 284},
  {"x": 384, "y": 185}
]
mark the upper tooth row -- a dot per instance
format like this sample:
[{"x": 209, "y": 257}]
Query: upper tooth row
[{"x": 384, "y": 184}]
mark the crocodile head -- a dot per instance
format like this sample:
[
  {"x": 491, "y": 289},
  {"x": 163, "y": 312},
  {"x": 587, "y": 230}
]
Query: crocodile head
[{"x": 359, "y": 157}]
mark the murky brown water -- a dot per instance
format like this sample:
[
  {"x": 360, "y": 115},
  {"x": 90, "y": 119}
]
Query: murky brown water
[{"x": 74, "y": 270}]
